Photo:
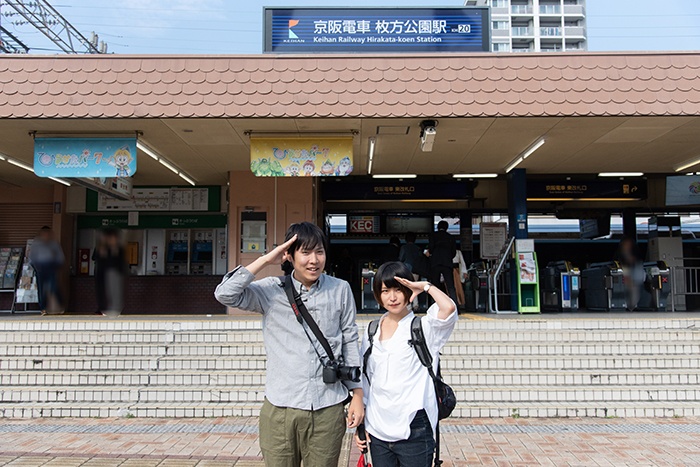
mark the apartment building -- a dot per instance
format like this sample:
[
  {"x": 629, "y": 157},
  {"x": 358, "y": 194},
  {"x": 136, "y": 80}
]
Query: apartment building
[{"x": 536, "y": 25}]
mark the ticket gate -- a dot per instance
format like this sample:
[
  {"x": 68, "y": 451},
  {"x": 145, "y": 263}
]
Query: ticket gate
[
  {"x": 476, "y": 288},
  {"x": 657, "y": 286},
  {"x": 603, "y": 287},
  {"x": 560, "y": 286}
]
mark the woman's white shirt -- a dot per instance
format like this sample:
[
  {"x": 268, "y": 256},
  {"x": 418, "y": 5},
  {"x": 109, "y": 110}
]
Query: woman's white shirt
[{"x": 400, "y": 384}]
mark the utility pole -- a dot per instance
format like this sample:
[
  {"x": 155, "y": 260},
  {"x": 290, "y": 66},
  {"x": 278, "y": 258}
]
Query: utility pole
[{"x": 48, "y": 21}]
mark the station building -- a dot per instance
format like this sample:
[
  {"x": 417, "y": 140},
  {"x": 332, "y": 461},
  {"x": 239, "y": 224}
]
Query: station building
[{"x": 596, "y": 113}]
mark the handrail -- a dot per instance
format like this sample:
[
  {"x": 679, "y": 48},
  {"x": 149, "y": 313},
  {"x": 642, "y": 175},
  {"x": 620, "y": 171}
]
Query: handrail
[{"x": 497, "y": 272}]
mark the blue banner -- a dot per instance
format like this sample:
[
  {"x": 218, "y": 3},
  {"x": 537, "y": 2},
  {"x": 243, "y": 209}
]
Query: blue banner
[
  {"x": 367, "y": 30},
  {"x": 85, "y": 157}
]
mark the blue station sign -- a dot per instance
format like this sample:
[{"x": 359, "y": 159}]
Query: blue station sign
[
  {"x": 85, "y": 157},
  {"x": 367, "y": 30}
]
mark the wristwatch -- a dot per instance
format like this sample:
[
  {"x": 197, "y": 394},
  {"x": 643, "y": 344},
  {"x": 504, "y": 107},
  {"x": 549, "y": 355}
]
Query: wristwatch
[{"x": 427, "y": 287}]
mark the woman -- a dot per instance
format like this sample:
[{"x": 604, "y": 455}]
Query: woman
[{"x": 401, "y": 408}]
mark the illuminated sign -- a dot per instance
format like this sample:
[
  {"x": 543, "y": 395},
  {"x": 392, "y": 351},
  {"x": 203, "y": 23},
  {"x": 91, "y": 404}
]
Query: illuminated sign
[
  {"x": 363, "y": 224},
  {"x": 304, "y": 30}
]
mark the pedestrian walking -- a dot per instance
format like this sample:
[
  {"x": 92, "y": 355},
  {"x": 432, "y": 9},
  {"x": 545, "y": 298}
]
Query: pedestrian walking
[
  {"x": 46, "y": 257},
  {"x": 311, "y": 342}
]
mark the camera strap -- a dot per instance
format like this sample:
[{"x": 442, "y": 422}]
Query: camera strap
[{"x": 302, "y": 314}]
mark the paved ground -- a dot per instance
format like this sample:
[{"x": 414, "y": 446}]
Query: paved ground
[{"x": 233, "y": 442}]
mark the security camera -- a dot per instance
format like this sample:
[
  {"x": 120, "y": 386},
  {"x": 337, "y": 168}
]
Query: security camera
[
  {"x": 427, "y": 135},
  {"x": 427, "y": 139}
]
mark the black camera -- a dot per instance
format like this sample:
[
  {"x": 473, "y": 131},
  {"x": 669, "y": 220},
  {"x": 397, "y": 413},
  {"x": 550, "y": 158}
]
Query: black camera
[{"x": 334, "y": 372}]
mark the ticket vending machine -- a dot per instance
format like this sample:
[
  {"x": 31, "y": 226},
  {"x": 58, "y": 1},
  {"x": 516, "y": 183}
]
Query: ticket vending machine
[
  {"x": 177, "y": 253},
  {"x": 202, "y": 252}
]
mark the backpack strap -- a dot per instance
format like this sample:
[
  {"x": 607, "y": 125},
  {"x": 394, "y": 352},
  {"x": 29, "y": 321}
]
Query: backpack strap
[
  {"x": 371, "y": 331},
  {"x": 421, "y": 346}
]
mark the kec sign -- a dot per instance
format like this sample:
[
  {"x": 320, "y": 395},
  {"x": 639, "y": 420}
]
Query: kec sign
[{"x": 363, "y": 224}]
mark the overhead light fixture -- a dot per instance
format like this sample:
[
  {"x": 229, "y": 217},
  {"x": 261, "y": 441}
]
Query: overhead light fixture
[
  {"x": 171, "y": 167},
  {"x": 527, "y": 153},
  {"x": 147, "y": 150},
  {"x": 21, "y": 165},
  {"x": 152, "y": 153},
  {"x": 475, "y": 175},
  {"x": 26, "y": 167},
  {"x": 59, "y": 180},
  {"x": 686, "y": 165},
  {"x": 394, "y": 176},
  {"x": 187, "y": 179},
  {"x": 621, "y": 174},
  {"x": 372, "y": 143},
  {"x": 427, "y": 135}
]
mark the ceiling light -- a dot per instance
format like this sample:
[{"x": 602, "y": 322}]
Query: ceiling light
[
  {"x": 372, "y": 143},
  {"x": 147, "y": 150},
  {"x": 689, "y": 164},
  {"x": 187, "y": 179},
  {"x": 621, "y": 174},
  {"x": 2, "y": 158},
  {"x": 527, "y": 153},
  {"x": 60, "y": 181},
  {"x": 395, "y": 176},
  {"x": 20, "y": 164},
  {"x": 474, "y": 175},
  {"x": 169, "y": 166}
]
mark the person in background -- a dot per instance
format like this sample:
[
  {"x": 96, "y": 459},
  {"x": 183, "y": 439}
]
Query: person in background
[
  {"x": 412, "y": 256},
  {"x": 110, "y": 273},
  {"x": 633, "y": 269},
  {"x": 302, "y": 414},
  {"x": 399, "y": 393},
  {"x": 441, "y": 249},
  {"x": 46, "y": 257},
  {"x": 459, "y": 271},
  {"x": 391, "y": 253}
]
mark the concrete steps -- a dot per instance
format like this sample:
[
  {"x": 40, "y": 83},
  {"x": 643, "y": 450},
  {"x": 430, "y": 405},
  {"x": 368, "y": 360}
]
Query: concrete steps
[{"x": 536, "y": 367}]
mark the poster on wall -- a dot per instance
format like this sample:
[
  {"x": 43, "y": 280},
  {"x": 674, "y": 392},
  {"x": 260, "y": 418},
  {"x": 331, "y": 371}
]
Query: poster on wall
[
  {"x": 85, "y": 157},
  {"x": 301, "y": 157},
  {"x": 492, "y": 237},
  {"x": 682, "y": 190},
  {"x": 27, "y": 291}
]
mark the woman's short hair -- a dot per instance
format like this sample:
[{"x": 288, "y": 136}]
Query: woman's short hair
[{"x": 385, "y": 277}]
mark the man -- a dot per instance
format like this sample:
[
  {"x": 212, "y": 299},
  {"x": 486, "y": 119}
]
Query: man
[
  {"x": 442, "y": 248},
  {"x": 301, "y": 417},
  {"x": 410, "y": 254},
  {"x": 47, "y": 258}
]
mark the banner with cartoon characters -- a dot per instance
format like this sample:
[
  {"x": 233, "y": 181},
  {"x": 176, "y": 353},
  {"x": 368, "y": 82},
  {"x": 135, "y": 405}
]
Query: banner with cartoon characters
[
  {"x": 85, "y": 157},
  {"x": 301, "y": 157}
]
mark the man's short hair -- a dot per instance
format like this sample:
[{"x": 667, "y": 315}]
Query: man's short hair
[
  {"x": 411, "y": 237},
  {"x": 386, "y": 276},
  {"x": 309, "y": 237},
  {"x": 443, "y": 225}
]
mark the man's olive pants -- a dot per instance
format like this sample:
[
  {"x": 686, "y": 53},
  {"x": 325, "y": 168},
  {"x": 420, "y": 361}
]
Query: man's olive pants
[{"x": 288, "y": 436}]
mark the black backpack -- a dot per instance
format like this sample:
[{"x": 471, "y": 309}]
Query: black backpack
[{"x": 446, "y": 398}]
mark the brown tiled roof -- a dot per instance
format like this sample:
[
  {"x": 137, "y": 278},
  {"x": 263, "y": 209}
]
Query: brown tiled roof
[{"x": 445, "y": 85}]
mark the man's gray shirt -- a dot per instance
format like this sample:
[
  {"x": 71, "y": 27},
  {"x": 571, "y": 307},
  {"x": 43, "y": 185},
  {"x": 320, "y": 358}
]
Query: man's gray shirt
[{"x": 294, "y": 372}]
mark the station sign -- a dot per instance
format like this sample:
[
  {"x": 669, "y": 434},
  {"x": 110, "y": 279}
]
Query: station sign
[
  {"x": 85, "y": 157},
  {"x": 368, "y": 30},
  {"x": 586, "y": 189},
  {"x": 397, "y": 190},
  {"x": 363, "y": 224},
  {"x": 301, "y": 157}
]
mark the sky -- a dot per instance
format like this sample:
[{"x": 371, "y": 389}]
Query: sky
[{"x": 235, "y": 26}]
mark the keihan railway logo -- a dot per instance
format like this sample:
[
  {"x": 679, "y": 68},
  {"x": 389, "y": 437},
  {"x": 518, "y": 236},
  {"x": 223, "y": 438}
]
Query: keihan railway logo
[{"x": 292, "y": 35}]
